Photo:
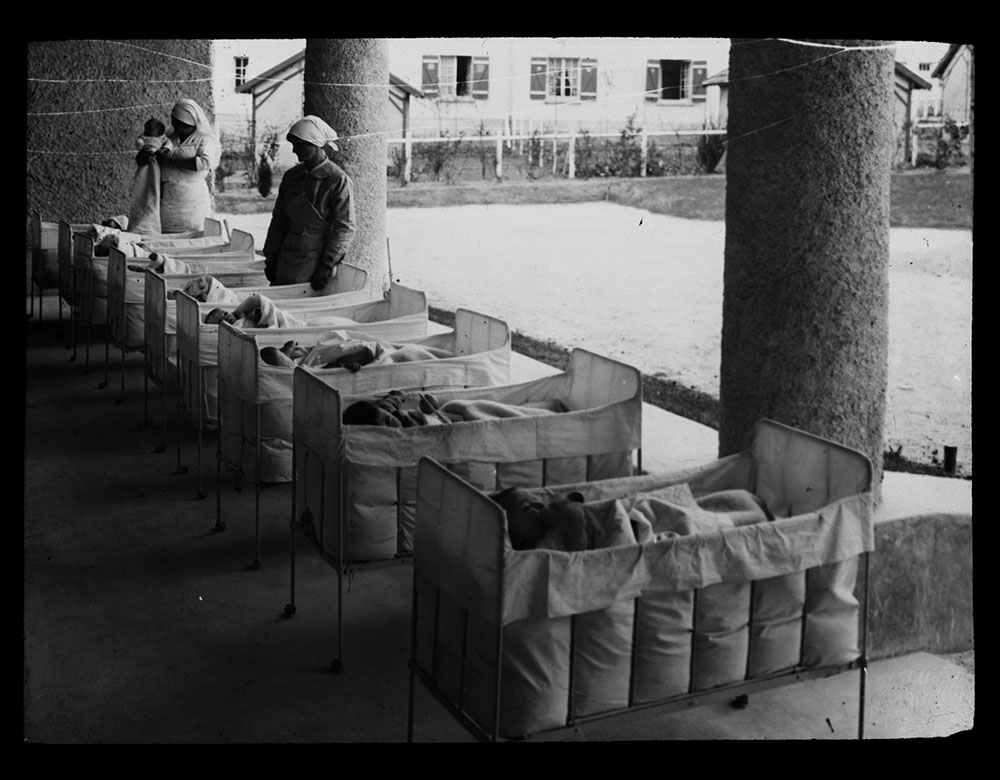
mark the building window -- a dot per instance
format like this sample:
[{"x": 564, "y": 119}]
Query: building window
[
  {"x": 455, "y": 77},
  {"x": 563, "y": 78},
  {"x": 675, "y": 80},
  {"x": 924, "y": 66},
  {"x": 241, "y": 70},
  {"x": 558, "y": 79}
]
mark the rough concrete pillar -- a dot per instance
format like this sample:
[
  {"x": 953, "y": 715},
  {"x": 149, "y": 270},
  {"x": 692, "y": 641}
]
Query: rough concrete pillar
[
  {"x": 805, "y": 303},
  {"x": 347, "y": 84},
  {"x": 87, "y": 101}
]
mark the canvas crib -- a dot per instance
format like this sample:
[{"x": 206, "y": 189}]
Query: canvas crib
[
  {"x": 89, "y": 268},
  {"x": 67, "y": 279},
  {"x": 126, "y": 282},
  {"x": 46, "y": 271},
  {"x": 256, "y": 399},
  {"x": 401, "y": 314},
  {"x": 525, "y": 644},
  {"x": 349, "y": 286},
  {"x": 355, "y": 486}
]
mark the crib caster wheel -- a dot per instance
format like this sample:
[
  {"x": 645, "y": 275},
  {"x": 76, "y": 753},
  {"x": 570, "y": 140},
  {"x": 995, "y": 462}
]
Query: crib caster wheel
[
  {"x": 741, "y": 701},
  {"x": 254, "y": 566},
  {"x": 72, "y": 358},
  {"x": 119, "y": 401},
  {"x": 101, "y": 385},
  {"x": 219, "y": 527},
  {"x": 336, "y": 665},
  {"x": 182, "y": 469},
  {"x": 86, "y": 372},
  {"x": 202, "y": 495},
  {"x": 159, "y": 449},
  {"x": 289, "y": 610}
]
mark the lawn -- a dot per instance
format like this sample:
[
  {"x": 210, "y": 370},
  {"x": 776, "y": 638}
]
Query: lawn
[
  {"x": 926, "y": 198},
  {"x": 923, "y": 198}
]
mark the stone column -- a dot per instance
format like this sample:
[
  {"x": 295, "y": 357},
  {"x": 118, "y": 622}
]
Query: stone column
[
  {"x": 805, "y": 305},
  {"x": 347, "y": 84}
]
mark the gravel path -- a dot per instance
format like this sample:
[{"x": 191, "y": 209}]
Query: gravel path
[{"x": 647, "y": 289}]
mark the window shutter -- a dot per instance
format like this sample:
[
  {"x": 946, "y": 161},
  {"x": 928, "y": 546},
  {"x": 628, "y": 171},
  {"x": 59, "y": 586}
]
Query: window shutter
[
  {"x": 588, "y": 80},
  {"x": 652, "y": 80},
  {"x": 699, "y": 72},
  {"x": 429, "y": 79},
  {"x": 480, "y": 78},
  {"x": 539, "y": 65}
]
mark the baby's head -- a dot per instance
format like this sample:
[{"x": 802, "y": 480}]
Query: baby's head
[
  {"x": 531, "y": 519},
  {"x": 153, "y": 127},
  {"x": 370, "y": 413},
  {"x": 216, "y": 316}
]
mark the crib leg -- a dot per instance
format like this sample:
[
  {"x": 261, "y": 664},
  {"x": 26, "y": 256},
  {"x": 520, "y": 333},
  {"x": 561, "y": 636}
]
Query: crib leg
[
  {"x": 145, "y": 390},
  {"x": 162, "y": 446},
  {"x": 181, "y": 469},
  {"x": 290, "y": 606},
  {"x": 72, "y": 333},
  {"x": 107, "y": 359},
  {"x": 86, "y": 351},
  {"x": 337, "y": 663},
  {"x": 256, "y": 492},
  {"x": 121, "y": 398},
  {"x": 256, "y": 518},
  {"x": 201, "y": 488},
  {"x": 219, "y": 525}
]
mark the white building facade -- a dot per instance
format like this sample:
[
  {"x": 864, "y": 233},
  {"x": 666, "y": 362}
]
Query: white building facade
[{"x": 510, "y": 84}]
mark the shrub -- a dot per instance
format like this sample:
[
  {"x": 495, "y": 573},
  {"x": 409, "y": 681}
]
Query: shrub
[
  {"x": 438, "y": 156},
  {"x": 710, "y": 151},
  {"x": 949, "y": 145},
  {"x": 626, "y": 153}
]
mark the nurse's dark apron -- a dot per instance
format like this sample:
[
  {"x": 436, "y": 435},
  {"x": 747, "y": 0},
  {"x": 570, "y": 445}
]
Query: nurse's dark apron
[{"x": 303, "y": 243}]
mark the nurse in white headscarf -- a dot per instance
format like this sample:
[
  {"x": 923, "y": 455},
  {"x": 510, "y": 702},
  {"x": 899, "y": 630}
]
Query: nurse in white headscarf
[
  {"x": 312, "y": 224},
  {"x": 185, "y": 198}
]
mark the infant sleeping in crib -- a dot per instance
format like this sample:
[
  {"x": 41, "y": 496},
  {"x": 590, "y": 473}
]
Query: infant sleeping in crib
[
  {"x": 255, "y": 311},
  {"x": 563, "y": 522},
  {"x": 396, "y": 410},
  {"x": 341, "y": 350}
]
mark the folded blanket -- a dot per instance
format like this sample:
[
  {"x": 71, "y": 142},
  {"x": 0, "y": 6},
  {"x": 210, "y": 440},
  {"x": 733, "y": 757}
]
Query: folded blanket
[
  {"x": 343, "y": 351},
  {"x": 165, "y": 264},
  {"x": 262, "y": 311}
]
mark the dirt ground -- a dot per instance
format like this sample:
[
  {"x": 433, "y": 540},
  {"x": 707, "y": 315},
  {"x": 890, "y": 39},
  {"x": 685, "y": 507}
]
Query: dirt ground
[{"x": 647, "y": 289}]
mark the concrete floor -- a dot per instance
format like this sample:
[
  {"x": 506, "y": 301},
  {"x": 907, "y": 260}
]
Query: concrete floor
[{"x": 143, "y": 625}]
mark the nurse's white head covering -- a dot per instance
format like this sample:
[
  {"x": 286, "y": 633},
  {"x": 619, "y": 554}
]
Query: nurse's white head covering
[
  {"x": 314, "y": 130},
  {"x": 187, "y": 111}
]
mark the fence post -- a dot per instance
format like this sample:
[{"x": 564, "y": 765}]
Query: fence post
[
  {"x": 572, "y": 156},
  {"x": 499, "y": 168},
  {"x": 645, "y": 152},
  {"x": 555, "y": 154}
]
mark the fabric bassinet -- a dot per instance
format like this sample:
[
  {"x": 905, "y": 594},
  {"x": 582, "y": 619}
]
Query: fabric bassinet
[
  {"x": 256, "y": 398},
  {"x": 349, "y": 287},
  {"x": 126, "y": 286},
  {"x": 360, "y": 480},
  {"x": 355, "y": 486},
  {"x": 520, "y": 643},
  {"x": 402, "y": 314}
]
